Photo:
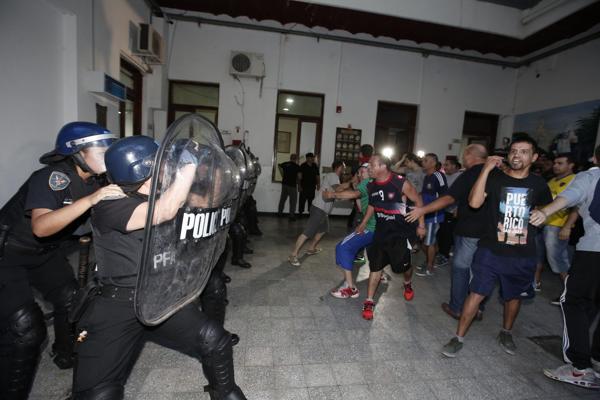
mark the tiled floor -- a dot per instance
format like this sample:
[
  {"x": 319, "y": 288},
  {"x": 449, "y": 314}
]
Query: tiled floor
[{"x": 298, "y": 342}]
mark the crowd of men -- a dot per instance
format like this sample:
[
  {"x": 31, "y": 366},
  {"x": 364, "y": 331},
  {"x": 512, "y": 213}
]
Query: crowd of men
[{"x": 498, "y": 221}]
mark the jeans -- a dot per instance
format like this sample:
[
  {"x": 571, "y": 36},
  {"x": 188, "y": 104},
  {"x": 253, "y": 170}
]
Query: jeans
[
  {"x": 558, "y": 253},
  {"x": 464, "y": 249}
]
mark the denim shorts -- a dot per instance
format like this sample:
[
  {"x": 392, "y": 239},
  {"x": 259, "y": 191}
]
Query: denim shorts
[{"x": 515, "y": 274}]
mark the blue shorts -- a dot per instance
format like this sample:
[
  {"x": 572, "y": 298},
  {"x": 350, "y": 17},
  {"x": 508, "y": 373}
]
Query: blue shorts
[
  {"x": 432, "y": 228},
  {"x": 515, "y": 274},
  {"x": 346, "y": 250}
]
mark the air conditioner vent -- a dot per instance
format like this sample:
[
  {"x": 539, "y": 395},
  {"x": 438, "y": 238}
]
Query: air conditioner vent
[{"x": 247, "y": 64}]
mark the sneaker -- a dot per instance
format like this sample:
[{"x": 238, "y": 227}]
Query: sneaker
[
  {"x": 452, "y": 347},
  {"x": 537, "y": 286},
  {"x": 556, "y": 301},
  {"x": 569, "y": 374},
  {"x": 505, "y": 340},
  {"x": 409, "y": 293},
  {"x": 360, "y": 260},
  {"x": 423, "y": 271},
  {"x": 440, "y": 261},
  {"x": 294, "y": 261},
  {"x": 344, "y": 293},
  {"x": 313, "y": 252},
  {"x": 367, "y": 311},
  {"x": 363, "y": 273}
]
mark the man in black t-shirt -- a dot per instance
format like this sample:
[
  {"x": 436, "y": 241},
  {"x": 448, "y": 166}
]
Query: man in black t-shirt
[
  {"x": 289, "y": 172},
  {"x": 507, "y": 249},
  {"x": 308, "y": 182},
  {"x": 468, "y": 229}
]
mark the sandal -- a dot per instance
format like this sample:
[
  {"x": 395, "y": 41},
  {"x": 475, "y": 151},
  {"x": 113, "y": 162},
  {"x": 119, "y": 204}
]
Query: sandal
[{"x": 313, "y": 252}]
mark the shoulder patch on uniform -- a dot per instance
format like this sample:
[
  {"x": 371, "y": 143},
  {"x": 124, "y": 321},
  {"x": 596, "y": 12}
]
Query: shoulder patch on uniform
[{"x": 58, "y": 181}]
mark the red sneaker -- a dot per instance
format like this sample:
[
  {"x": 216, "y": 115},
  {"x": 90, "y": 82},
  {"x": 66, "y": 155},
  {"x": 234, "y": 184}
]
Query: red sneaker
[
  {"x": 409, "y": 293},
  {"x": 367, "y": 312}
]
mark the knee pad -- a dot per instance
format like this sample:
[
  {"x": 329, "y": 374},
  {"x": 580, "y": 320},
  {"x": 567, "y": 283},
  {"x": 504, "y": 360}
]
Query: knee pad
[
  {"x": 237, "y": 232},
  {"x": 25, "y": 328},
  {"x": 21, "y": 338},
  {"x": 112, "y": 391},
  {"x": 215, "y": 288},
  {"x": 212, "y": 339}
]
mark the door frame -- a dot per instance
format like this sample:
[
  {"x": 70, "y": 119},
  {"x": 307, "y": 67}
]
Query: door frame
[{"x": 301, "y": 118}]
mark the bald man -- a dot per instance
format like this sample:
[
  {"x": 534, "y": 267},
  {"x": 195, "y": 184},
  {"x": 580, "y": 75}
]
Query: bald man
[{"x": 468, "y": 230}]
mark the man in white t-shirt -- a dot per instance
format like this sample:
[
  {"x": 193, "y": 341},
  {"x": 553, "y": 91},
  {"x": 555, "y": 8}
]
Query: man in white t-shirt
[{"x": 318, "y": 221}]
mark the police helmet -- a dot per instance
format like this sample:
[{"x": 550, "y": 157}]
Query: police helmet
[
  {"x": 74, "y": 137},
  {"x": 129, "y": 161}
]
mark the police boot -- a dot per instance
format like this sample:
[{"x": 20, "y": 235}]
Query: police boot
[
  {"x": 238, "y": 240},
  {"x": 226, "y": 278},
  {"x": 218, "y": 368},
  {"x": 21, "y": 337},
  {"x": 237, "y": 256}
]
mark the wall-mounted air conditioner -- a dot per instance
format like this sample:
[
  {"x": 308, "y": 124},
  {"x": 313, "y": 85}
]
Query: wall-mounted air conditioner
[
  {"x": 103, "y": 85},
  {"x": 247, "y": 64},
  {"x": 150, "y": 45}
]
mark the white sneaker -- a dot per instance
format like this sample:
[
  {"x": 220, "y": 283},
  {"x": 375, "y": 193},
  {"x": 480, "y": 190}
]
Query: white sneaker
[
  {"x": 363, "y": 273},
  {"x": 567, "y": 373}
]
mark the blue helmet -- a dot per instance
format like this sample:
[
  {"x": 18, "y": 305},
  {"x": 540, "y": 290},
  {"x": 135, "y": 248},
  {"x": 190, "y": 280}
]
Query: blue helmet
[
  {"x": 130, "y": 160},
  {"x": 75, "y": 136}
]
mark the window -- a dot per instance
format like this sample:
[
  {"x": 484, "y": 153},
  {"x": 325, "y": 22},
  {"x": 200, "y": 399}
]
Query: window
[
  {"x": 192, "y": 97},
  {"x": 130, "y": 111},
  {"x": 298, "y": 127}
]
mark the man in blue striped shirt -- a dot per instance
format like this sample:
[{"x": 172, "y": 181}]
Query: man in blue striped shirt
[{"x": 434, "y": 186}]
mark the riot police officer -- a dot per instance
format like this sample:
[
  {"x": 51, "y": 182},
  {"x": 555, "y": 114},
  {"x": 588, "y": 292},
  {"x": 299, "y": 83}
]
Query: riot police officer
[
  {"x": 110, "y": 332},
  {"x": 36, "y": 222}
]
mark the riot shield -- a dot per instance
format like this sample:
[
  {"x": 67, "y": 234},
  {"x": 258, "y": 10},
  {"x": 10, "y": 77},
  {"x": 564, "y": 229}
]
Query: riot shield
[
  {"x": 179, "y": 254},
  {"x": 237, "y": 155}
]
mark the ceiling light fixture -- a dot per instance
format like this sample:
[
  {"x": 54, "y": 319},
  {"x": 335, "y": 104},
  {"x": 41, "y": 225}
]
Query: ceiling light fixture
[
  {"x": 289, "y": 100},
  {"x": 286, "y": 109}
]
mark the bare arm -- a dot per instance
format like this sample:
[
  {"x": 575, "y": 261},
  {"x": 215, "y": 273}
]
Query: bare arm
[
  {"x": 409, "y": 190},
  {"x": 343, "y": 195},
  {"x": 477, "y": 195},
  {"x": 46, "y": 222},
  {"x": 538, "y": 217},
  {"x": 171, "y": 200},
  {"x": 436, "y": 205}
]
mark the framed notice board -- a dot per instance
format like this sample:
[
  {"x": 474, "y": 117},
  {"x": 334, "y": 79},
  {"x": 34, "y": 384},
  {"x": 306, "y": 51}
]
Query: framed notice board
[{"x": 347, "y": 145}]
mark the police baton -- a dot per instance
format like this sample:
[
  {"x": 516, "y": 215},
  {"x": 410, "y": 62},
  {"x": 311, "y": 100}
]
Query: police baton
[{"x": 84, "y": 256}]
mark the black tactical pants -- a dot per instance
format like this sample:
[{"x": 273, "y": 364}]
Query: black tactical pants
[
  {"x": 110, "y": 338},
  {"x": 22, "y": 328}
]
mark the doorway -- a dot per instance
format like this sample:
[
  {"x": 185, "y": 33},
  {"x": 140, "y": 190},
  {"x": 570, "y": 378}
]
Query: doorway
[
  {"x": 395, "y": 128},
  {"x": 480, "y": 128},
  {"x": 298, "y": 127}
]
